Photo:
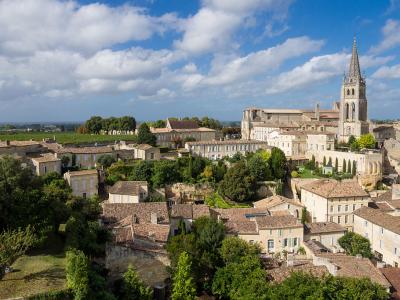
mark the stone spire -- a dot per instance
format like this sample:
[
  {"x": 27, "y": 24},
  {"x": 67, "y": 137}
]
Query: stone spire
[{"x": 354, "y": 70}]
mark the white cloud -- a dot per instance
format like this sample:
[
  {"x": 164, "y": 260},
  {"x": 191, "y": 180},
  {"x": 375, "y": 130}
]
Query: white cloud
[
  {"x": 391, "y": 37},
  {"x": 261, "y": 62},
  {"x": 39, "y": 25},
  {"x": 386, "y": 72}
]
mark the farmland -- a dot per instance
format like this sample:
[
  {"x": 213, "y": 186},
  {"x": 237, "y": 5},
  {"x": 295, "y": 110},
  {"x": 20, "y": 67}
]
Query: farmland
[{"x": 65, "y": 137}]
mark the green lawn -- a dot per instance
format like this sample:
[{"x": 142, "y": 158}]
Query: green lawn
[
  {"x": 65, "y": 137},
  {"x": 33, "y": 275},
  {"x": 307, "y": 174},
  {"x": 217, "y": 201}
]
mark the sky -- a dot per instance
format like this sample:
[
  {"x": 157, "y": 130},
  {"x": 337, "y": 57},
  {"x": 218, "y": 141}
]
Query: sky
[{"x": 153, "y": 59}]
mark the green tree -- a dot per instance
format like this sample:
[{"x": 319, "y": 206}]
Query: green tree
[
  {"x": 77, "y": 271},
  {"x": 344, "y": 166},
  {"x": 330, "y": 162},
  {"x": 164, "y": 172},
  {"x": 336, "y": 165},
  {"x": 234, "y": 248},
  {"x": 354, "y": 244},
  {"x": 354, "y": 169},
  {"x": 304, "y": 216},
  {"x": 349, "y": 166},
  {"x": 351, "y": 140},
  {"x": 278, "y": 163},
  {"x": 181, "y": 243},
  {"x": 324, "y": 162},
  {"x": 127, "y": 123},
  {"x": 259, "y": 168},
  {"x": 238, "y": 183},
  {"x": 366, "y": 141},
  {"x": 183, "y": 285},
  {"x": 106, "y": 160},
  {"x": 13, "y": 244},
  {"x": 94, "y": 124},
  {"x": 145, "y": 136},
  {"x": 133, "y": 287},
  {"x": 142, "y": 171}
]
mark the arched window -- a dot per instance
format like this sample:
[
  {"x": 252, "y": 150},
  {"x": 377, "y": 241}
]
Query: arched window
[
  {"x": 352, "y": 92},
  {"x": 347, "y": 111},
  {"x": 353, "y": 111},
  {"x": 348, "y": 92}
]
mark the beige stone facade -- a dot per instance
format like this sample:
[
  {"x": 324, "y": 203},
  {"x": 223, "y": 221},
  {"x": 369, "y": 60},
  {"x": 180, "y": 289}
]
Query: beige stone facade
[
  {"x": 218, "y": 149},
  {"x": 83, "y": 157},
  {"x": 83, "y": 183},
  {"x": 128, "y": 192},
  {"x": 333, "y": 201},
  {"x": 46, "y": 164},
  {"x": 382, "y": 230},
  {"x": 327, "y": 233}
]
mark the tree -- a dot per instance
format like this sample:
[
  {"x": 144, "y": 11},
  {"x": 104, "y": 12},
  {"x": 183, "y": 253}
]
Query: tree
[
  {"x": 238, "y": 183},
  {"x": 330, "y": 162},
  {"x": 142, "y": 171},
  {"x": 145, "y": 136},
  {"x": 349, "y": 166},
  {"x": 344, "y": 166},
  {"x": 164, "y": 172},
  {"x": 82, "y": 130},
  {"x": 304, "y": 215},
  {"x": 366, "y": 141},
  {"x": 127, "y": 123},
  {"x": 351, "y": 140},
  {"x": 77, "y": 271},
  {"x": 259, "y": 168},
  {"x": 94, "y": 124},
  {"x": 336, "y": 165},
  {"x": 134, "y": 288},
  {"x": 278, "y": 163},
  {"x": 106, "y": 160},
  {"x": 324, "y": 161},
  {"x": 234, "y": 248},
  {"x": 181, "y": 243},
  {"x": 183, "y": 285},
  {"x": 354, "y": 169},
  {"x": 13, "y": 244},
  {"x": 354, "y": 244}
]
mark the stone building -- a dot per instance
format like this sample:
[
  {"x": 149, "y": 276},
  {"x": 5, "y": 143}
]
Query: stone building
[
  {"x": 46, "y": 164},
  {"x": 83, "y": 157},
  {"x": 84, "y": 183},
  {"x": 280, "y": 203},
  {"x": 382, "y": 230},
  {"x": 353, "y": 102},
  {"x": 175, "y": 133},
  {"x": 333, "y": 201},
  {"x": 327, "y": 233},
  {"x": 218, "y": 149},
  {"x": 20, "y": 148},
  {"x": 128, "y": 192}
]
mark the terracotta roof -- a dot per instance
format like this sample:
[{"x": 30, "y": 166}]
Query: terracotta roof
[
  {"x": 280, "y": 213},
  {"x": 190, "y": 211},
  {"x": 323, "y": 227},
  {"x": 285, "y": 221},
  {"x": 383, "y": 206},
  {"x": 18, "y": 143},
  {"x": 273, "y": 201},
  {"x": 388, "y": 198},
  {"x": 241, "y": 227},
  {"x": 114, "y": 212},
  {"x": 85, "y": 150},
  {"x": 82, "y": 172},
  {"x": 279, "y": 274},
  {"x": 131, "y": 188},
  {"x": 228, "y": 142},
  {"x": 379, "y": 218},
  {"x": 183, "y": 124},
  {"x": 356, "y": 267},
  {"x": 393, "y": 276},
  {"x": 329, "y": 188},
  {"x": 46, "y": 158},
  {"x": 239, "y": 213},
  {"x": 153, "y": 232}
]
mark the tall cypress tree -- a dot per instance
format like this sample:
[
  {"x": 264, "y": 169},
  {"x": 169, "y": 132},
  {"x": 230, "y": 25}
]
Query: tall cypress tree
[{"x": 344, "y": 166}]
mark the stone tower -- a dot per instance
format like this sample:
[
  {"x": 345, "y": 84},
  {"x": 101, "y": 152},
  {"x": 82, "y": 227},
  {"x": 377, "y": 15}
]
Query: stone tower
[{"x": 353, "y": 118}]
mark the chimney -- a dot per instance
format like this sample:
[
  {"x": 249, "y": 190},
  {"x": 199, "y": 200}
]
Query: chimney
[{"x": 153, "y": 218}]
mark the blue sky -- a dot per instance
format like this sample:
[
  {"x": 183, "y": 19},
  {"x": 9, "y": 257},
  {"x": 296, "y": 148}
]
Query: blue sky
[{"x": 69, "y": 60}]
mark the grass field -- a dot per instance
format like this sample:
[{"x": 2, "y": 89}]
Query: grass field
[
  {"x": 308, "y": 174},
  {"x": 217, "y": 201},
  {"x": 34, "y": 274},
  {"x": 64, "y": 137}
]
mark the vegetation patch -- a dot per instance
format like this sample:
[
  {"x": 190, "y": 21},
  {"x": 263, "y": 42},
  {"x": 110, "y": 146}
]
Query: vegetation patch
[{"x": 216, "y": 201}]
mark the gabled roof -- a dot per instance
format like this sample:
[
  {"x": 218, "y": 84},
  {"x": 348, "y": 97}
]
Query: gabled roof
[
  {"x": 273, "y": 201},
  {"x": 85, "y": 150},
  {"x": 279, "y": 221},
  {"x": 376, "y": 216},
  {"x": 174, "y": 124},
  {"x": 323, "y": 227},
  {"x": 329, "y": 188},
  {"x": 131, "y": 188},
  {"x": 190, "y": 211}
]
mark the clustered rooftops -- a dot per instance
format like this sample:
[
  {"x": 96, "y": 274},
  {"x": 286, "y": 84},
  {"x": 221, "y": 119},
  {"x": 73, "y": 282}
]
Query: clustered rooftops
[{"x": 336, "y": 189}]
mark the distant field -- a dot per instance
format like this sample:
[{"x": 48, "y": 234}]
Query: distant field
[
  {"x": 33, "y": 275},
  {"x": 65, "y": 137}
]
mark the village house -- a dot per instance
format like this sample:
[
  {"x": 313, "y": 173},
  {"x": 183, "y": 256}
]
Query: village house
[
  {"x": 20, "y": 148},
  {"x": 186, "y": 213},
  {"x": 83, "y": 183},
  {"x": 218, "y": 149},
  {"x": 46, "y": 164},
  {"x": 274, "y": 231},
  {"x": 279, "y": 203},
  {"x": 83, "y": 157},
  {"x": 382, "y": 230},
  {"x": 128, "y": 192},
  {"x": 177, "y": 131},
  {"x": 137, "y": 151},
  {"x": 327, "y": 233},
  {"x": 292, "y": 143},
  {"x": 329, "y": 200},
  {"x": 388, "y": 202}
]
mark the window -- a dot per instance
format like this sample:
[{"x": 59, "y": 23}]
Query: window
[
  {"x": 345, "y": 219},
  {"x": 365, "y": 223},
  {"x": 285, "y": 243},
  {"x": 280, "y": 232},
  {"x": 151, "y": 155},
  {"x": 331, "y": 208},
  {"x": 346, "y": 208},
  {"x": 354, "y": 207},
  {"x": 331, "y": 219},
  {"x": 381, "y": 230},
  {"x": 338, "y": 219},
  {"x": 339, "y": 208},
  {"x": 294, "y": 242},
  {"x": 251, "y": 241},
  {"x": 270, "y": 244}
]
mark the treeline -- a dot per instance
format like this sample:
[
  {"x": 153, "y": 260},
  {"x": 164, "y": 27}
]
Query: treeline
[
  {"x": 205, "y": 260},
  {"x": 237, "y": 183},
  {"x": 97, "y": 124},
  {"x": 203, "y": 122}
]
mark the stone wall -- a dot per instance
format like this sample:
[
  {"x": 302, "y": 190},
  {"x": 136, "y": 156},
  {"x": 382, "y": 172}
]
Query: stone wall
[{"x": 184, "y": 192}]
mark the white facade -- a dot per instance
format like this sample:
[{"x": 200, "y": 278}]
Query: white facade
[{"x": 83, "y": 183}]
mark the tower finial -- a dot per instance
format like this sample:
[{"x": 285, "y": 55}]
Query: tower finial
[{"x": 354, "y": 70}]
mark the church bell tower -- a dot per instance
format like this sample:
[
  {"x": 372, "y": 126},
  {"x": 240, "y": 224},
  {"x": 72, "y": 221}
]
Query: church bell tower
[{"x": 353, "y": 118}]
